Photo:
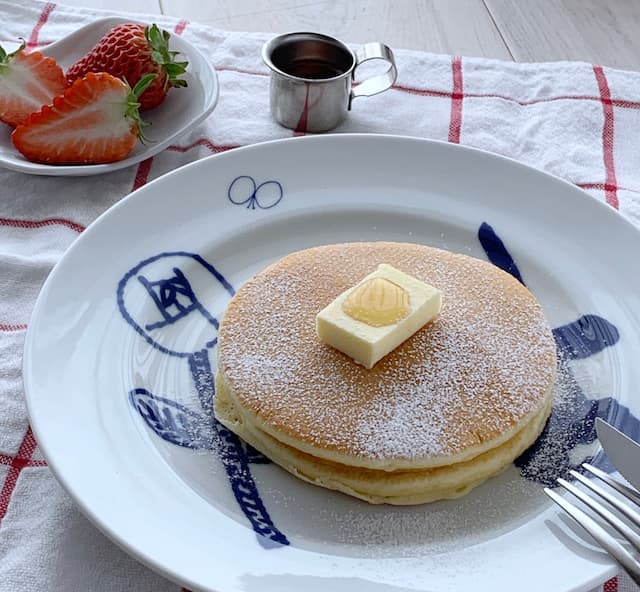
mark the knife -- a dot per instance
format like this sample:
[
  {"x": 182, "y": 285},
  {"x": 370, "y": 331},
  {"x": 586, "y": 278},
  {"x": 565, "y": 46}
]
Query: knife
[{"x": 622, "y": 451}]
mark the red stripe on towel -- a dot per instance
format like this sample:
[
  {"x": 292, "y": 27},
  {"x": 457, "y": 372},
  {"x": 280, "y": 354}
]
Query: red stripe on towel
[
  {"x": 44, "y": 16},
  {"x": 610, "y": 585},
  {"x": 455, "y": 123},
  {"x": 7, "y": 460},
  {"x": 608, "y": 128},
  {"x": 142, "y": 174},
  {"x": 606, "y": 187},
  {"x": 180, "y": 26},
  {"x": 40, "y": 223},
  {"x": 11, "y": 328},
  {"x": 427, "y": 92},
  {"x": 215, "y": 148},
  {"x": 19, "y": 462}
]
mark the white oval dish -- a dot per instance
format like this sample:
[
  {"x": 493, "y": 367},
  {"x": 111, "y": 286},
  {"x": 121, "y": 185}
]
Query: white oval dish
[
  {"x": 120, "y": 355},
  {"x": 181, "y": 111}
]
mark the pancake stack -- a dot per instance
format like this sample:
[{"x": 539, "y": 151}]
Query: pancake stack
[{"x": 451, "y": 406}]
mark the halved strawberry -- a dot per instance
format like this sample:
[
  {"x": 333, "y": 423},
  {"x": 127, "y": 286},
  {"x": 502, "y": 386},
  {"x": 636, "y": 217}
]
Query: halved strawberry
[
  {"x": 95, "y": 121},
  {"x": 129, "y": 51},
  {"x": 27, "y": 81}
]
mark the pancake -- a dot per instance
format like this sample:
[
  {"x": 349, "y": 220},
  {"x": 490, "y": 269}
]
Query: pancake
[
  {"x": 448, "y": 408},
  {"x": 403, "y": 487}
]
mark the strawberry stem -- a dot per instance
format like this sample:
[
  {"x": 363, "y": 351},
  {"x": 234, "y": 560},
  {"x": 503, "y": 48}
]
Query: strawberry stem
[
  {"x": 159, "y": 42},
  {"x": 132, "y": 109},
  {"x": 5, "y": 57}
]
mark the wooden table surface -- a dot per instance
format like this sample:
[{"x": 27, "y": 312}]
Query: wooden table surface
[{"x": 605, "y": 32}]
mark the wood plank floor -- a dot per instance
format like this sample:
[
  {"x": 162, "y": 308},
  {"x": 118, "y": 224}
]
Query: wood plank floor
[{"x": 603, "y": 32}]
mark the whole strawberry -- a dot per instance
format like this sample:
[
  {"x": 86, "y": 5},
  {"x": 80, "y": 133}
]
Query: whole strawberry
[
  {"x": 27, "y": 81},
  {"x": 129, "y": 51},
  {"x": 95, "y": 121}
]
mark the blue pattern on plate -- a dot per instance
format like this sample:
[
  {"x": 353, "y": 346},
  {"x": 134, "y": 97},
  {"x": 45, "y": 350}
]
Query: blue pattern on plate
[
  {"x": 585, "y": 337},
  {"x": 573, "y": 422},
  {"x": 496, "y": 251},
  {"x": 172, "y": 421},
  {"x": 173, "y": 297},
  {"x": 243, "y": 190},
  {"x": 175, "y": 300}
]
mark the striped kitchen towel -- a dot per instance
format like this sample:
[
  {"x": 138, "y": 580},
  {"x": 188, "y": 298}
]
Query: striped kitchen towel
[{"x": 575, "y": 120}]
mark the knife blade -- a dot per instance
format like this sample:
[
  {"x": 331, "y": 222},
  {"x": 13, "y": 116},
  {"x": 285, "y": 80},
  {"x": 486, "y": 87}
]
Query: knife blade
[{"x": 622, "y": 451}]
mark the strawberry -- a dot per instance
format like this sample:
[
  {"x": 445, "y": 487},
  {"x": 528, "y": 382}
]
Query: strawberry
[
  {"x": 129, "y": 51},
  {"x": 95, "y": 121},
  {"x": 27, "y": 81}
]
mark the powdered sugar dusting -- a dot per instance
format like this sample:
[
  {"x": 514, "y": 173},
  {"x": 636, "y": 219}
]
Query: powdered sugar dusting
[{"x": 483, "y": 366}]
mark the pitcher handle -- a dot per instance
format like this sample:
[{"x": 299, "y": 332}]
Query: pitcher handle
[{"x": 380, "y": 82}]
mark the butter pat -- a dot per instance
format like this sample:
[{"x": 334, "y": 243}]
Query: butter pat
[{"x": 374, "y": 317}]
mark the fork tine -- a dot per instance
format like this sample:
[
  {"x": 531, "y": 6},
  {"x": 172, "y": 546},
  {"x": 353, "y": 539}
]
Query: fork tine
[
  {"x": 624, "y": 529},
  {"x": 625, "y": 490},
  {"x": 619, "y": 505},
  {"x": 602, "y": 537}
]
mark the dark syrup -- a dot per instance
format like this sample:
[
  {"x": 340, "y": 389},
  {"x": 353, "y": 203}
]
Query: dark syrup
[{"x": 312, "y": 68}]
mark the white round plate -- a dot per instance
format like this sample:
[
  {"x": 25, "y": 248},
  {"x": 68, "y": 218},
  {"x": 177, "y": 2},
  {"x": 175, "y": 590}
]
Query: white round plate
[
  {"x": 120, "y": 356},
  {"x": 182, "y": 110}
]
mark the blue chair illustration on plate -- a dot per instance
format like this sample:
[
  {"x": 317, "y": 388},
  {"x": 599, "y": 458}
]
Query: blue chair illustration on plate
[{"x": 175, "y": 322}]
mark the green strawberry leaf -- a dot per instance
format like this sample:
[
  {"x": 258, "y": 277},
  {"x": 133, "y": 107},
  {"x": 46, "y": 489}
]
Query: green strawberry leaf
[
  {"x": 132, "y": 109},
  {"x": 5, "y": 58},
  {"x": 158, "y": 40}
]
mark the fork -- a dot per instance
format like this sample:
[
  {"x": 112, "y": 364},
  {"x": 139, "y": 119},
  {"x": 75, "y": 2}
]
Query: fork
[{"x": 609, "y": 543}]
